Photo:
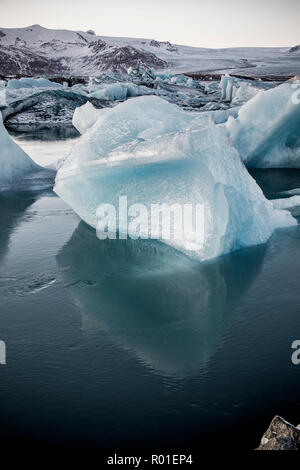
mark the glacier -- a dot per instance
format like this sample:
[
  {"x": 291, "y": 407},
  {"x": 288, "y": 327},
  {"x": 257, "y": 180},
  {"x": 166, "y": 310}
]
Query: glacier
[
  {"x": 154, "y": 152},
  {"x": 266, "y": 131}
]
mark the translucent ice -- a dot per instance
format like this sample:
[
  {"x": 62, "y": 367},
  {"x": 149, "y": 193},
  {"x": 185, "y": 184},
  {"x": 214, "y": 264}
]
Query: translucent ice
[
  {"x": 155, "y": 153},
  {"x": 267, "y": 130},
  {"x": 17, "y": 170},
  {"x": 31, "y": 83},
  {"x": 287, "y": 203},
  {"x": 291, "y": 192},
  {"x": 238, "y": 91},
  {"x": 228, "y": 86},
  {"x": 85, "y": 116},
  {"x": 120, "y": 91}
]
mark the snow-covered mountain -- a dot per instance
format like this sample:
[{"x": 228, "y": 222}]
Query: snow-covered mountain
[{"x": 39, "y": 51}]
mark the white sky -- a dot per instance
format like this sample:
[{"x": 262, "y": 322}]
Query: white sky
[{"x": 210, "y": 23}]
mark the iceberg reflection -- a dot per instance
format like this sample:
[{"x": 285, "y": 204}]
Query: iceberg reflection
[
  {"x": 167, "y": 309},
  {"x": 13, "y": 205}
]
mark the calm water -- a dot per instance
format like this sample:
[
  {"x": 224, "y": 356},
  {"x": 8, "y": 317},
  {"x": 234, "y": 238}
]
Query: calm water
[{"x": 129, "y": 344}]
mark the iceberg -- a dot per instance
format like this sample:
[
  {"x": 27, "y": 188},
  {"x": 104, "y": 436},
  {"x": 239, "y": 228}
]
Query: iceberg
[
  {"x": 238, "y": 91},
  {"x": 291, "y": 192},
  {"x": 40, "y": 106},
  {"x": 17, "y": 170},
  {"x": 151, "y": 78},
  {"x": 24, "y": 82},
  {"x": 85, "y": 116},
  {"x": 287, "y": 203},
  {"x": 153, "y": 152},
  {"x": 243, "y": 93},
  {"x": 119, "y": 91},
  {"x": 266, "y": 131},
  {"x": 228, "y": 87}
]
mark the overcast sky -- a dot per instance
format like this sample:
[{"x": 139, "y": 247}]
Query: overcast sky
[{"x": 214, "y": 23}]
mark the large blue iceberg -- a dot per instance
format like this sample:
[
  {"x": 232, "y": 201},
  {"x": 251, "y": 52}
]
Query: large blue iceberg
[{"x": 153, "y": 152}]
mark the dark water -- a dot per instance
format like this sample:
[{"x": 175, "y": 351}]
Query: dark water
[
  {"x": 130, "y": 345},
  {"x": 42, "y": 133}
]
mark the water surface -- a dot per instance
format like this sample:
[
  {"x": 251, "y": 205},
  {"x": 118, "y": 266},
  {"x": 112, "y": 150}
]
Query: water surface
[{"x": 131, "y": 345}]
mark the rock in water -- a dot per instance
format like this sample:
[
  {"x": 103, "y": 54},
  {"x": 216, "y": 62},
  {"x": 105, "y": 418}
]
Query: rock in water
[{"x": 280, "y": 435}]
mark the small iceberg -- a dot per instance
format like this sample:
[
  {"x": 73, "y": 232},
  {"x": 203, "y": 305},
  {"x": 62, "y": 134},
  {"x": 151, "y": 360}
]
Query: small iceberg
[
  {"x": 266, "y": 131},
  {"x": 286, "y": 203},
  {"x": 17, "y": 170}
]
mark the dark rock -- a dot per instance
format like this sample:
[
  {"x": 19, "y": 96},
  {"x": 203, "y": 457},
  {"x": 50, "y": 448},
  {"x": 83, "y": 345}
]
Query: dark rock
[
  {"x": 120, "y": 58},
  {"x": 295, "y": 48},
  {"x": 21, "y": 61},
  {"x": 49, "y": 107},
  {"x": 70, "y": 80},
  {"x": 280, "y": 435},
  {"x": 154, "y": 43},
  {"x": 167, "y": 44},
  {"x": 98, "y": 45}
]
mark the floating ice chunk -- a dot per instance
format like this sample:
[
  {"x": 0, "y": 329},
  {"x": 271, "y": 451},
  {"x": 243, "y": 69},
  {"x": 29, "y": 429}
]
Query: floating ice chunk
[
  {"x": 291, "y": 192},
  {"x": 183, "y": 80},
  {"x": 243, "y": 93},
  {"x": 85, "y": 116},
  {"x": 267, "y": 130},
  {"x": 286, "y": 203},
  {"x": 155, "y": 153},
  {"x": 219, "y": 116},
  {"x": 238, "y": 91},
  {"x": 14, "y": 163},
  {"x": 211, "y": 106},
  {"x": 15, "y": 83},
  {"x": 228, "y": 87},
  {"x": 150, "y": 77},
  {"x": 17, "y": 170},
  {"x": 146, "y": 77},
  {"x": 211, "y": 87},
  {"x": 120, "y": 91}
]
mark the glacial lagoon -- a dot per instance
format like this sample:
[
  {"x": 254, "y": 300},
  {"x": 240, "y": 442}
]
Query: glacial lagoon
[{"x": 132, "y": 342}]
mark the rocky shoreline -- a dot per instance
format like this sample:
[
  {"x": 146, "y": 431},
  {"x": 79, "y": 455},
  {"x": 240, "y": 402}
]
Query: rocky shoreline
[{"x": 280, "y": 435}]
